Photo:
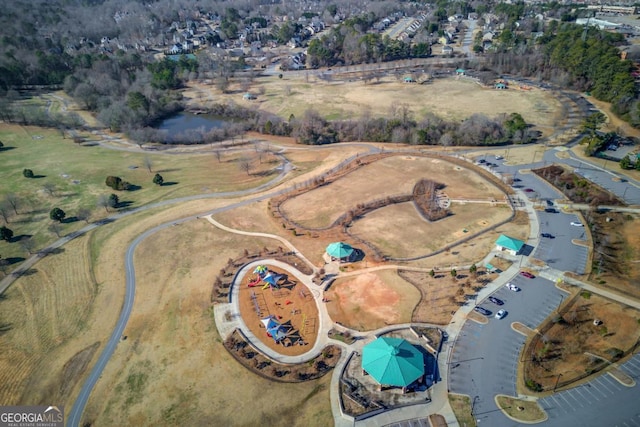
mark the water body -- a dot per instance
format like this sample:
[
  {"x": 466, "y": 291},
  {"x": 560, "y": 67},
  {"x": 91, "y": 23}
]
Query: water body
[{"x": 184, "y": 122}]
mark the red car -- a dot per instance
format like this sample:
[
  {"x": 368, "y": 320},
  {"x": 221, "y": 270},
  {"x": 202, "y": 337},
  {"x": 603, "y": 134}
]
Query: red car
[{"x": 527, "y": 274}]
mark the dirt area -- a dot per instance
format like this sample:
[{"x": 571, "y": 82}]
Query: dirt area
[
  {"x": 616, "y": 256},
  {"x": 449, "y": 98},
  {"x": 441, "y": 295},
  {"x": 371, "y": 300},
  {"x": 437, "y": 420},
  {"x": 573, "y": 345},
  {"x": 292, "y": 304}
]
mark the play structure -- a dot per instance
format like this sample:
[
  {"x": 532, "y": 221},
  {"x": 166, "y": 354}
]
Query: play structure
[
  {"x": 269, "y": 278},
  {"x": 282, "y": 333}
]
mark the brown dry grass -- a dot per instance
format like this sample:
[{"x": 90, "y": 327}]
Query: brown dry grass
[
  {"x": 178, "y": 369},
  {"x": 410, "y": 235},
  {"x": 449, "y": 97},
  {"x": 371, "y": 300},
  {"x": 527, "y": 411},
  {"x": 461, "y": 406},
  {"x": 384, "y": 178}
]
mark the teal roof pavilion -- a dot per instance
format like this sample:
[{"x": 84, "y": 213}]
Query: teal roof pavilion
[
  {"x": 339, "y": 250},
  {"x": 393, "y": 361},
  {"x": 509, "y": 243}
]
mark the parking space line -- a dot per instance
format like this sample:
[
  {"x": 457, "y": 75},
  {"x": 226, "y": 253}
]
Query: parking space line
[
  {"x": 560, "y": 405},
  {"x": 568, "y": 394},
  {"x": 588, "y": 390},
  {"x": 616, "y": 385},
  {"x": 604, "y": 386}
]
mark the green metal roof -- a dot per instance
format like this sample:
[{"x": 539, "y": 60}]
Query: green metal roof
[
  {"x": 339, "y": 250},
  {"x": 509, "y": 243},
  {"x": 393, "y": 361}
]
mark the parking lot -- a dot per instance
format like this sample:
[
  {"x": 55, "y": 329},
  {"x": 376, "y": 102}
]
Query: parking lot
[
  {"x": 559, "y": 252},
  {"x": 485, "y": 356},
  {"x": 601, "y": 402}
]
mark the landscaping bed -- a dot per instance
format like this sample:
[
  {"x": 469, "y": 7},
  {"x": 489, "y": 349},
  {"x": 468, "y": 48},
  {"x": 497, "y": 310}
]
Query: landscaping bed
[
  {"x": 588, "y": 335},
  {"x": 252, "y": 359},
  {"x": 576, "y": 188}
]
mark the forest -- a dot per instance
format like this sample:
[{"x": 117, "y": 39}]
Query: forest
[{"x": 130, "y": 90}]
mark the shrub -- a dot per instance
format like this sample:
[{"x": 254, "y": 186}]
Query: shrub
[
  {"x": 117, "y": 183},
  {"x": 585, "y": 294},
  {"x": 27, "y": 173},
  {"x": 532, "y": 385}
]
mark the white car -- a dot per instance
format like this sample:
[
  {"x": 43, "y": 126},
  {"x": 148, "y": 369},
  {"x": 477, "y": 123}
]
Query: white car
[
  {"x": 577, "y": 224},
  {"x": 512, "y": 287},
  {"x": 500, "y": 314},
  {"x": 499, "y": 157}
]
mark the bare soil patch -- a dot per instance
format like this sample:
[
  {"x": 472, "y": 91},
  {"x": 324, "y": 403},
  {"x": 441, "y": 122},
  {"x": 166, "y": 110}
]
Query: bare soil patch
[
  {"x": 437, "y": 420},
  {"x": 293, "y": 304},
  {"x": 590, "y": 333},
  {"x": 371, "y": 300}
]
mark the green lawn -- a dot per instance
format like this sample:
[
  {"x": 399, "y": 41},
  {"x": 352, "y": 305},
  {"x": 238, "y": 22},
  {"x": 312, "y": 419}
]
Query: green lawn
[{"x": 77, "y": 175}]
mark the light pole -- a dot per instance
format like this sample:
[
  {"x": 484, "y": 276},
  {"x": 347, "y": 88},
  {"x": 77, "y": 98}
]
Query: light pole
[{"x": 556, "y": 384}]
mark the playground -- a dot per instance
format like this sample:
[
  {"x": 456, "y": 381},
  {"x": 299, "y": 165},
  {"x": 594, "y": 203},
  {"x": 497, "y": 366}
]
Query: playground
[{"x": 278, "y": 309}]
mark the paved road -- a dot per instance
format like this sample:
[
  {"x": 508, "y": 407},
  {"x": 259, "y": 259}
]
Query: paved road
[{"x": 485, "y": 357}]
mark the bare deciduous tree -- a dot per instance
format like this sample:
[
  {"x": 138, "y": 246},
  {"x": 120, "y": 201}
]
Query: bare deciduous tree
[
  {"x": 14, "y": 201},
  {"x": 148, "y": 163},
  {"x": 245, "y": 165}
]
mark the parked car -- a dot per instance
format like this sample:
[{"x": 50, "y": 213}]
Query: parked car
[
  {"x": 500, "y": 314},
  {"x": 482, "y": 161},
  {"x": 577, "y": 224},
  {"x": 499, "y": 157},
  {"x": 496, "y": 301},
  {"x": 527, "y": 274},
  {"x": 528, "y": 190},
  {"x": 550, "y": 210},
  {"x": 549, "y": 202},
  {"x": 483, "y": 311},
  {"x": 512, "y": 287},
  {"x": 548, "y": 236}
]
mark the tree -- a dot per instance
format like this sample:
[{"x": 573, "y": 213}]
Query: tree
[
  {"x": 13, "y": 201},
  {"x": 245, "y": 165},
  {"x": 625, "y": 163},
  {"x": 5, "y": 212},
  {"x": 28, "y": 244},
  {"x": 432, "y": 273},
  {"x": 57, "y": 214},
  {"x": 113, "y": 201},
  {"x": 49, "y": 188},
  {"x": 454, "y": 273},
  {"x": 148, "y": 163},
  {"x": 218, "y": 155},
  {"x": 1, "y": 144},
  {"x": 473, "y": 269},
  {"x": 27, "y": 173},
  {"x": 158, "y": 180},
  {"x": 55, "y": 228},
  {"x": 83, "y": 214},
  {"x": 117, "y": 183},
  {"x": 103, "y": 202},
  {"x": 6, "y": 233}
]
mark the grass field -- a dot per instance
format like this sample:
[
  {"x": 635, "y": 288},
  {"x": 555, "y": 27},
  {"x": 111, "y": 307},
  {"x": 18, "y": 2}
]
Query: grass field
[
  {"x": 448, "y": 98},
  {"x": 461, "y": 406},
  {"x": 390, "y": 176},
  {"x": 77, "y": 174},
  {"x": 410, "y": 235}
]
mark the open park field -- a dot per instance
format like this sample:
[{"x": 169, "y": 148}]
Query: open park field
[
  {"x": 387, "y": 177},
  {"x": 449, "y": 98},
  {"x": 172, "y": 364}
]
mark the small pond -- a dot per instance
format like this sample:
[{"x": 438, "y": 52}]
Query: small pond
[{"x": 184, "y": 121}]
